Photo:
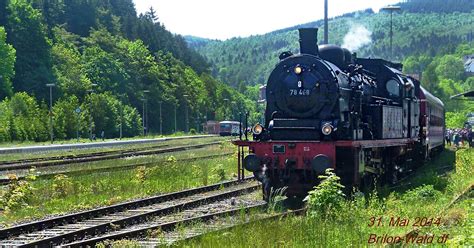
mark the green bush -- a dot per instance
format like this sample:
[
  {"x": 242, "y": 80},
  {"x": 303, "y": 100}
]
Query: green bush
[
  {"x": 327, "y": 197},
  {"x": 18, "y": 192},
  {"x": 62, "y": 185}
]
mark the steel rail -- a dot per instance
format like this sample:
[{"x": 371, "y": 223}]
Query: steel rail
[
  {"x": 6, "y": 181},
  {"x": 139, "y": 218},
  {"x": 102, "y": 211},
  {"x": 105, "y": 157},
  {"x": 71, "y": 156},
  {"x": 168, "y": 226}
]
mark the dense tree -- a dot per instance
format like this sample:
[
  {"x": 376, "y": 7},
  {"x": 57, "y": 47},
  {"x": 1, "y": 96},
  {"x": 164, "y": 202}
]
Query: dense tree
[
  {"x": 7, "y": 64},
  {"x": 104, "y": 70},
  {"x": 67, "y": 123},
  {"x": 23, "y": 119},
  {"x": 69, "y": 71},
  {"x": 106, "y": 116},
  {"x": 33, "y": 67},
  {"x": 450, "y": 67}
]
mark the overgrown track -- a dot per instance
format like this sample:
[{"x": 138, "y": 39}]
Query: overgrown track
[
  {"x": 6, "y": 181},
  {"x": 213, "y": 226},
  {"x": 458, "y": 197},
  {"x": 62, "y": 160},
  {"x": 72, "y": 227},
  {"x": 440, "y": 171},
  {"x": 201, "y": 214}
]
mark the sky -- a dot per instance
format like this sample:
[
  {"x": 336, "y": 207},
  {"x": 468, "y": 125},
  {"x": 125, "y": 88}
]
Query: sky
[{"x": 224, "y": 19}]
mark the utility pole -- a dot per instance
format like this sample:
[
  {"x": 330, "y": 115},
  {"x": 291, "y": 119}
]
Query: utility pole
[
  {"x": 175, "y": 122},
  {"x": 197, "y": 122},
  {"x": 187, "y": 117},
  {"x": 91, "y": 90},
  {"x": 232, "y": 108},
  {"x": 143, "y": 116},
  {"x": 225, "y": 106},
  {"x": 161, "y": 120},
  {"x": 391, "y": 9},
  {"x": 145, "y": 113},
  {"x": 51, "y": 130},
  {"x": 121, "y": 116},
  {"x": 326, "y": 35}
]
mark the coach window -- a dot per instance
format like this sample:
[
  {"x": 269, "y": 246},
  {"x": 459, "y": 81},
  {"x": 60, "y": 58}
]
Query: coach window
[{"x": 393, "y": 87}]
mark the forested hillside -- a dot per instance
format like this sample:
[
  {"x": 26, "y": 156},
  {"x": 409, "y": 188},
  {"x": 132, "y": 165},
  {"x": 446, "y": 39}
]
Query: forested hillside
[
  {"x": 431, "y": 37},
  {"x": 104, "y": 61},
  {"x": 423, "y": 27}
]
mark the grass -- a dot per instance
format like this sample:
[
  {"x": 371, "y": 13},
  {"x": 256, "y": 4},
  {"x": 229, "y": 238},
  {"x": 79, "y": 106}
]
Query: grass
[
  {"x": 120, "y": 164},
  {"x": 61, "y": 194},
  {"x": 351, "y": 226},
  {"x": 75, "y": 152}
]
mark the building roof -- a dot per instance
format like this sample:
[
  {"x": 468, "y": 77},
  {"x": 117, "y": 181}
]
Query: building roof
[{"x": 465, "y": 94}]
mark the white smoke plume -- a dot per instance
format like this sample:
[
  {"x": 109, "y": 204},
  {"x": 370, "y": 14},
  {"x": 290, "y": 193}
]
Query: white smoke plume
[{"x": 357, "y": 37}]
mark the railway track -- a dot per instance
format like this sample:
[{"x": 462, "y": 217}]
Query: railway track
[
  {"x": 63, "y": 160},
  {"x": 6, "y": 181},
  {"x": 63, "y": 157},
  {"x": 457, "y": 198},
  {"x": 212, "y": 225},
  {"x": 403, "y": 181},
  {"x": 131, "y": 217}
]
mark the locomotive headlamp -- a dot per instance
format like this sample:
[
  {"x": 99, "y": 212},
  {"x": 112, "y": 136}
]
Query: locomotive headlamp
[
  {"x": 257, "y": 129},
  {"x": 298, "y": 70},
  {"x": 327, "y": 129}
]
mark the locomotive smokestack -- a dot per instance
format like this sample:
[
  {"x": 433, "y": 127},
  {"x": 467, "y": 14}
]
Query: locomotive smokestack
[{"x": 309, "y": 41}]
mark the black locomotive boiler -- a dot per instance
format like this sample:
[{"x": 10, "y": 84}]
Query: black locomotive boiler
[{"x": 326, "y": 108}]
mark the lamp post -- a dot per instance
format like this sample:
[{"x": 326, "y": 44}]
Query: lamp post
[
  {"x": 175, "y": 122},
  {"x": 51, "y": 130},
  {"x": 187, "y": 117},
  {"x": 121, "y": 116},
  {"x": 161, "y": 120},
  {"x": 326, "y": 36},
  {"x": 90, "y": 91},
  {"x": 232, "y": 110},
  {"x": 145, "y": 112},
  {"x": 197, "y": 122},
  {"x": 225, "y": 106},
  {"x": 391, "y": 9}
]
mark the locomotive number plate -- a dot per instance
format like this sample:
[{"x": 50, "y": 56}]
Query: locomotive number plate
[
  {"x": 299, "y": 92},
  {"x": 278, "y": 148}
]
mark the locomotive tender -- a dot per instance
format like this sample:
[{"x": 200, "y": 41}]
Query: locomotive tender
[{"x": 326, "y": 108}]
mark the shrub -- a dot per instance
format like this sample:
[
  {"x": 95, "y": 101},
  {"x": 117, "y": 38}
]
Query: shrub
[
  {"x": 425, "y": 192},
  {"x": 141, "y": 174},
  {"x": 62, "y": 185},
  {"x": 327, "y": 197},
  {"x": 18, "y": 192}
]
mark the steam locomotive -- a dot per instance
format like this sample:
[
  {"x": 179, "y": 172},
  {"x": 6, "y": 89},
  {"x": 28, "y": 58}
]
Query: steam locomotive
[{"x": 326, "y": 108}]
